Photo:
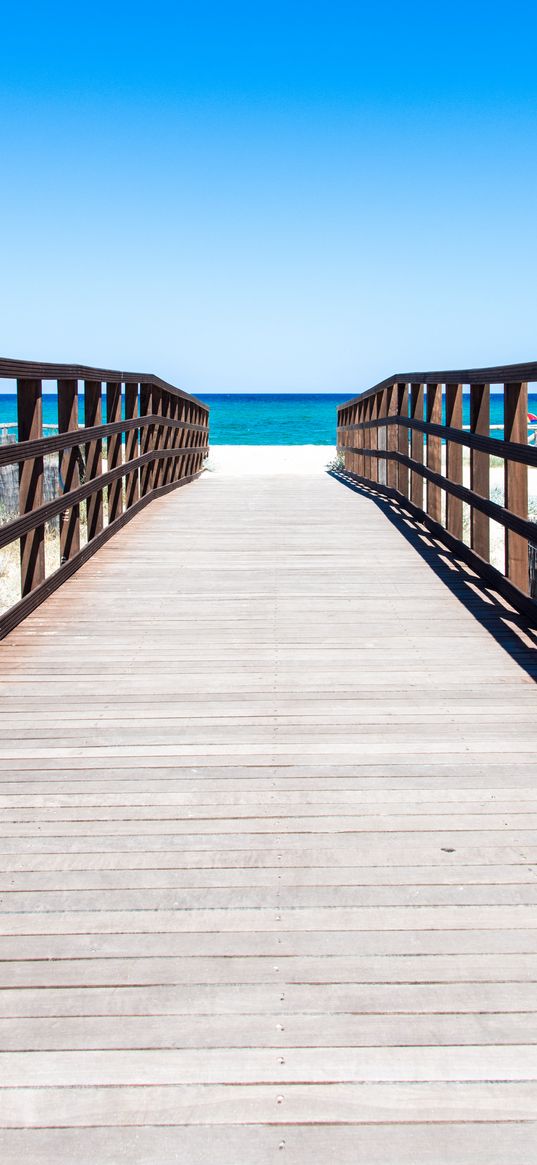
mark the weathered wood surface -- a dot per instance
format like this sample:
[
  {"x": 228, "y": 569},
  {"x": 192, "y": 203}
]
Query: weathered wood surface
[{"x": 268, "y": 864}]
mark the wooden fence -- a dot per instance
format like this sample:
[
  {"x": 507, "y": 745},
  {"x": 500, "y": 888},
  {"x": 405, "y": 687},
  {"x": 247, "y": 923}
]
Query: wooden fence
[
  {"x": 155, "y": 439},
  {"x": 405, "y": 438}
]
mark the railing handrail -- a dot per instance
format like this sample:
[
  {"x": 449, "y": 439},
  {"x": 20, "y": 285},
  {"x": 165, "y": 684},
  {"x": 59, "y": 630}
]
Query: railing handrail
[
  {"x": 495, "y": 374},
  {"x": 24, "y": 450},
  {"x": 32, "y": 369}
]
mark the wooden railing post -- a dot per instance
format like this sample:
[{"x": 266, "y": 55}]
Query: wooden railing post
[
  {"x": 434, "y": 451},
  {"x": 93, "y": 415},
  {"x": 382, "y": 436},
  {"x": 343, "y": 436},
  {"x": 202, "y": 439},
  {"x": 391, "y": 435},
  {"x": 373, "y": 439},
  {"x": 169, "y": 433},
  {"x": 353, "y": 414},
  {"x": 416, "y": 413},
  {"x": 198, "y": 440},
  {"x": 114, "y": 448},
  {"x": 132, "y": 444},
  {"x": 160, "y": 404},
  {"x": 516, "y": 483},
  {"x": 454, "y": 461},
  {"x": 402, "y": 438},
  {"x": 480, "y": 468},
  {"x": 30, "y": 428},
  {"x": 360, "y": 439},
  {"x": 69, "y": 468},
  {"x": 189, "y": 440},
  {"x": 175, "y": 432},
  {"x": 147, "y": 437},
  {"x": 368, "y": 407},
  {"x": 183, "y": 441},
  {"x": 350, "y": 458},
  {"x": 195, "y": 441},
  {"x": 157, "y": 465}
]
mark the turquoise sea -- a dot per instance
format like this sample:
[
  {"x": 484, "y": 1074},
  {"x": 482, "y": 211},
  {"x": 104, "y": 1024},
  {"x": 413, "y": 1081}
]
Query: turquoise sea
[{"x": 265, "y": 419}]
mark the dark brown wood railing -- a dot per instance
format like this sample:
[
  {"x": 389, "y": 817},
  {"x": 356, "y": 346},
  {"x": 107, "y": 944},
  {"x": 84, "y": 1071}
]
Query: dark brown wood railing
[
  {"x": 405, "y": 438},
  {"x": 155, "y": 439}
]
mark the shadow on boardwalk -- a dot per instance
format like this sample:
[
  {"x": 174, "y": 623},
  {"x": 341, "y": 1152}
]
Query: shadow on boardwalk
[{"x": 510, "y": 629}]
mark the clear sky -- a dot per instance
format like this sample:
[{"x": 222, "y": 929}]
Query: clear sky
[{"x": 269, "y": 196}]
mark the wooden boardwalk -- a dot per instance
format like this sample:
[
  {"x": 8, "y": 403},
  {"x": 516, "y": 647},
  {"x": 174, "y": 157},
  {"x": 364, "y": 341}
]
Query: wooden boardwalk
[{"x": 268, "y": 858}]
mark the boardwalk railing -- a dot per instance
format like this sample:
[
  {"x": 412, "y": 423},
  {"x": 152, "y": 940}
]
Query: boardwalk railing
[
  {"x": 406, "y": 439},
  {"x": 155, "y": 439}
]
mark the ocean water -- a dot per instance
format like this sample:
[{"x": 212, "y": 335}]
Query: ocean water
[
  {"x": 266, "y": 419},
  {"x": 277, "y": 419}
]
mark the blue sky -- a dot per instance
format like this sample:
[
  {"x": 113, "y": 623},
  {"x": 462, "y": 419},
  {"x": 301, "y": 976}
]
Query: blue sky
[{"x": 283, "y": 197}]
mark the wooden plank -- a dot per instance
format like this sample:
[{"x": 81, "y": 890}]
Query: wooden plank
[
  {"x": 316, "y": 943},
  {"x": 232, "y": 969},
  {"x": 258, "y": 1066},
  {"x": 207, "y": 1104},
  {"x": 69, "y": 468},
  {"x": 263, "y": 999},
  {"x": 30, "y": 428},
  {"x": 244, "y": 1031},
  {"x": 447, "y": 1143},
  {"x": 147, "y": 921}
]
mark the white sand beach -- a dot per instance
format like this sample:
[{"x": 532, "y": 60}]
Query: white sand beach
[{"x": 260, "y": 460}]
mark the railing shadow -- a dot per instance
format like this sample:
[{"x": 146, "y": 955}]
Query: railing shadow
[{"x": 511, "y": 630}]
